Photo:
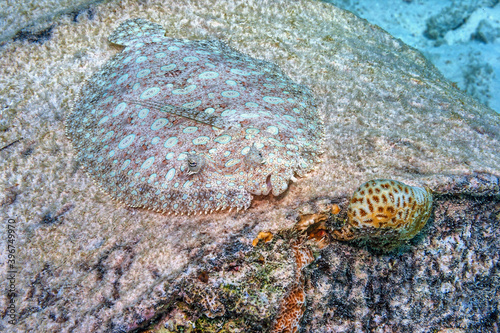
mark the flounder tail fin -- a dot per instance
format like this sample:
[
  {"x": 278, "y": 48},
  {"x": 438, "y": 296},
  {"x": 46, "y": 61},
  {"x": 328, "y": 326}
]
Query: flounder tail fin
[{"x": 133, "y": 29}]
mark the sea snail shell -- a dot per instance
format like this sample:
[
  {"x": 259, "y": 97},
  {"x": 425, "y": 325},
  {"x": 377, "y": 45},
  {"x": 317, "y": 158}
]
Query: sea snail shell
[{"x": 386, "y": 213}]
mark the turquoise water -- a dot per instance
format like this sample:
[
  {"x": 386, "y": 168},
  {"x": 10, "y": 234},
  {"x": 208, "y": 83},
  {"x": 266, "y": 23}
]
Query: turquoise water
[{"x": 461, "y": 38}]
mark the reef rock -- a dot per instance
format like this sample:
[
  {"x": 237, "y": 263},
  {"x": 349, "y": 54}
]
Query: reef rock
[{"x": 86, "y": 263}]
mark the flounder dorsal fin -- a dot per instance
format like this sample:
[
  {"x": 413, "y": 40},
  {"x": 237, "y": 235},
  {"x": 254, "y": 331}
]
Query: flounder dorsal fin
[{"x": 133, "y": 29}]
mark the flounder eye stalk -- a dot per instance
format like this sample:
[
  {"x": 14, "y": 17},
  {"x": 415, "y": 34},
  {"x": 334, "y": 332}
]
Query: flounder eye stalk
[
  {"x": 254, "y": 157},
  {"x": 195, "y": 163}
]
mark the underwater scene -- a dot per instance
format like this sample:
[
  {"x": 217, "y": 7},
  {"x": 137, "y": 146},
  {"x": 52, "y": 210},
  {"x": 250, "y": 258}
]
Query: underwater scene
[
  {"x": 458, "y": 37},
  {"x": 250, "y": 166}
]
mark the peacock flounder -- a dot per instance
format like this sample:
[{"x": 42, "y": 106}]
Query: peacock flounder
[{"x": 186, "y": 126}]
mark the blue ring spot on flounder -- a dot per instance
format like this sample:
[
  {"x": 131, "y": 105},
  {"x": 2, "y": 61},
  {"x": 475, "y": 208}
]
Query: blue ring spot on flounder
[
  {"x": 273, "y": 99},
  {"x": 141, "y": 59},
  {"x": 159, "y": 123},
  {"x": 231, "y": 162},
  {"x": 228, "y": 113},
  {"x": 192, "y": 105},
  {"x": 170, "y": 174},
  {"x": 185, "y": 90},
  {"x": 108, "y": 136},
  {"x": 239, "y": 72},
  {"x": 119, "y": 109},
  {"x": 230, "y": 94},
  {"x": 252, "y": 131},
  {"x": 126, "y": 141},
  {"x": 143, "y": 113},
  {"x": 190, "y": 129},
  {"x": 103, "y": 120},
  {"x": 171, "y": 142},
  {"x": 148, "y": 163},
  {"x": 122, "y": 79},
  {"x": 201, "y": 140},
  {"x": 151, "y": 178},
  {"x": 142, "y": 73},
  {"x": 168, "y": 67},
  {"x": 273, "y": 130},
  {"x": 223, "y": 139},
  {"x": 162, "y": 99},
  {"x": 208, "y": 75},
  {"x": 150, "y": 92},
  {"x": 190, "y": 59},
  {"x": 125, "y": 164},
  {"x": 107, "y": 100}
]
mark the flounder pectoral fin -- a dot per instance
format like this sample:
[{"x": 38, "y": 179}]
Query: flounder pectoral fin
[
  {"x": 133, "y": 29},
  {"x": 193, "y": 114}
]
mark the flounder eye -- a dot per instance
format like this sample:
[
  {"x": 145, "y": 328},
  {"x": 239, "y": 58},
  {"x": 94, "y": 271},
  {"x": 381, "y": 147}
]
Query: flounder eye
[
  {"x": 195, "y": 163},
  {"x": 254, "y": 157}
]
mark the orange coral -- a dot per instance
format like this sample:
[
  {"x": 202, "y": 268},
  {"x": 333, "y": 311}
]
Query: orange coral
[
  {"x": 263, "y": 235},
  {"x": 335, "y": 209},
  {"x": 293, "y": 304},
  {"x": 291, "y": 310},
  {"x": 303, "y": 256}
]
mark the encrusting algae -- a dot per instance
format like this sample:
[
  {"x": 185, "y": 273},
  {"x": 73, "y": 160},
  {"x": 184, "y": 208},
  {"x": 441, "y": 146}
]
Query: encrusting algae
[{"x": 293, "y": 305}]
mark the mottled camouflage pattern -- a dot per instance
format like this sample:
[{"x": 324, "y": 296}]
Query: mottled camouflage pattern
[{"x": 246, "y": 126}]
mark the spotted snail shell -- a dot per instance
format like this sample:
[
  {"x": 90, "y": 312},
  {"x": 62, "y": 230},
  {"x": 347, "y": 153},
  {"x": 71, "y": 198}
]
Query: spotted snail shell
[{"x": 386, "y": 213}]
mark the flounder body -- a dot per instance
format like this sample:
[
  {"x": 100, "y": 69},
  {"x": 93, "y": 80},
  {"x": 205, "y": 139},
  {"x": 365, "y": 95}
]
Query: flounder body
[{"x": 191, "y": 126}]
